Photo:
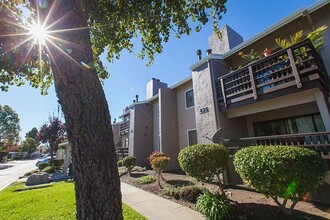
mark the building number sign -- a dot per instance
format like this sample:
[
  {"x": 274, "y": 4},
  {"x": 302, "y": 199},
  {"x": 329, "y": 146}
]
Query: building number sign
[{"x": 204, "y": 110}]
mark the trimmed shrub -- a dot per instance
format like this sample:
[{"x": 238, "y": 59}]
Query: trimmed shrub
[
  {"x": 203, "y": 161},
  {"x": 158, "y": 161},
  {"x": 214, "y": 206},
  {"x": 58, "y": 162},
  {"x": 147, "y": 179},
  {"x": 49, "y": 169},
  {"x": 281, "y": 171},
  {"x": 187, "y": 193},
  {"x": 43, "y": 165},
  {"x": 129, "y": 163},
  {"x": 120, "y": 163}
]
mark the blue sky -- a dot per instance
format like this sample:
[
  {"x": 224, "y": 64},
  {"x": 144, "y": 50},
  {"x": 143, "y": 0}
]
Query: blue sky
[{"x": 129, "y": 75}]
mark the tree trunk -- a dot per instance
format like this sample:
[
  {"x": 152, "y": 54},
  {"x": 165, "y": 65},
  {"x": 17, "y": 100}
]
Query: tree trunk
[{"x": 86, "y": 113}]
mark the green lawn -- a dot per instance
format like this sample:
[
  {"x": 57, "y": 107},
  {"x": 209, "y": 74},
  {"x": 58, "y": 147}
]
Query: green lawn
[{"x": 51, "y": 201}]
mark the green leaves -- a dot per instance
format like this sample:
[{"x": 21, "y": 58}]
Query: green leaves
[
  {"x": 9, "y": 126},
  {"x": 281, "y": 171},
  {"x": 193, "y": 159},
  {"x": 115, "y": 24},
  {"x": 214, "y": 206},
  {"x": 129, "y": 163}
]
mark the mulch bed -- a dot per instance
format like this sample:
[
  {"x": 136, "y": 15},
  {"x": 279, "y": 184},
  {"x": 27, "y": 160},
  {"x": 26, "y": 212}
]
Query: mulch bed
[{"x": 249, "y": 204}]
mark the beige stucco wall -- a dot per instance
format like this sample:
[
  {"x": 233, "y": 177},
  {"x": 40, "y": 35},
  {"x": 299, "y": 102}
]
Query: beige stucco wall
[
  {"x": 186, "y": 116},
  {"x": 143, "y": 133},
  {"x": 169, "y": 138}
]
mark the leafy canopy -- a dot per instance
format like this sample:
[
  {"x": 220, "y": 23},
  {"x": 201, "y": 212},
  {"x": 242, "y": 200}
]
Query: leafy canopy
[
  {"x": 9, "y": 126},
  {"x": 52, "y": 132},
  {"x": 114, "y": 25}
]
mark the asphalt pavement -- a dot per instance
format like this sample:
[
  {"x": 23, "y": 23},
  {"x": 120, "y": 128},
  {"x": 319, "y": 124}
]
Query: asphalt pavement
[{"x": 11, "y": 171}]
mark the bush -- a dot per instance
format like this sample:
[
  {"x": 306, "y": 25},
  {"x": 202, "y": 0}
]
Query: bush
[
  {"x": 213, "y": 206},
  {"x": 281, "y": 171},
  {"x": 43, "y": 165},
  {"x": 129, "y": 163},
  {"x": 187, "y": 193},
  {"x": 203, "y": 161},
  {"x": 49, "y": 169},
  {"x": 120, "y": 163},
  {"x": 147, "y": 179},
  {"x": 58, "y": 162},
  {"x": 158, "y": 161}
]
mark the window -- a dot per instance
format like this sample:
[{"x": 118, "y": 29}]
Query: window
[
  {"x": 293, "y": 125},
  {"x": 126, "y": 142},
  {"x": 192, "y": 137},
  {"x": 190, "y": 98}
]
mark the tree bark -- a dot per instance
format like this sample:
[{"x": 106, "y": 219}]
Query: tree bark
[{"x": 86, "y": 113}]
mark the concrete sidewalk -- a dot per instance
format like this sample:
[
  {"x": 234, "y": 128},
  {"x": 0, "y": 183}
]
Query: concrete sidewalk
[{"x": 154, "y": 207}]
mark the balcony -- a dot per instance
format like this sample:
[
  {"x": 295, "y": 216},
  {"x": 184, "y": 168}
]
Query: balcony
[
  {"x": 289, "y": 70},
  {"x": 318, "y": 141},
  {"x": 124, "y": 128}
]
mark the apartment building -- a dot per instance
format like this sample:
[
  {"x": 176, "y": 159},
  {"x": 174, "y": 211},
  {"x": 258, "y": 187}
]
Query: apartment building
[{"x": 282, "y": 98}]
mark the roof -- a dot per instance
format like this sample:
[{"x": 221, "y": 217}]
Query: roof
[{"x": 300, "y": 12}]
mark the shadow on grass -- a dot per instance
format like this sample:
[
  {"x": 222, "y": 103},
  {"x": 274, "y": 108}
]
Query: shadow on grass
[
  {"x": 255, "y": 211},
  {"x": 179, "y": 183},
  {"x": 32, "y": 188}
]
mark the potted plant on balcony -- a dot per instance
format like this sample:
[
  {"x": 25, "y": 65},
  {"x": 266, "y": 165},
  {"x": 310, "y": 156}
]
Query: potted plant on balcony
[
  {"x": 267, "y": 52},
  {"x": 252, "y": 56}
]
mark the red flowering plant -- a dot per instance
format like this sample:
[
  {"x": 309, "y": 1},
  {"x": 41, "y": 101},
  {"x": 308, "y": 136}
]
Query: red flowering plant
[{"x": 158, "y": 161}]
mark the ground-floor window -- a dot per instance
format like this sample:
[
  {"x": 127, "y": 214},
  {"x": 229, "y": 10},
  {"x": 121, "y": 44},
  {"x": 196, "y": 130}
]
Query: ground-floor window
[
  {"x": 192, "y": 137},
  {"x": 292, "y": 125}
]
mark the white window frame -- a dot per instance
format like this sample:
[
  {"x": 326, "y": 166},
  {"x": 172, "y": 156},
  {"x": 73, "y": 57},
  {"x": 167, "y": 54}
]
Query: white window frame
[
  {"x": 188, "y": 135},
  {"x": 185, "y": 98}
]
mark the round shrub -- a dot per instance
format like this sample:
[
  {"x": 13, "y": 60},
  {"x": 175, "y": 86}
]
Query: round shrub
[
  {"x": 204, "y": 161},
  {"x": 281, "y": 171},
  {"x": 129, "y": 163},
  {"x": 158, "y": 161}
]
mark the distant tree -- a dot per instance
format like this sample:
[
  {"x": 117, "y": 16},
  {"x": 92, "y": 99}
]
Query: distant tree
[
  {"x": 32, "y": 134},
  {"x": 52, "y": 133},
  {"x": 29, "y": 145},
  {"x": 9, "y": 126}
]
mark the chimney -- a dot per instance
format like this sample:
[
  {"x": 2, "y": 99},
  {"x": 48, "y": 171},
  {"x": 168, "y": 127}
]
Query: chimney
[
  {"x": 208, "y": 51},
  {"x": 199, "y": 54},
  {"x": 137, "y": 98},
  {"x": 229, "y": 39},
  {"x": 153, "y": 86}
]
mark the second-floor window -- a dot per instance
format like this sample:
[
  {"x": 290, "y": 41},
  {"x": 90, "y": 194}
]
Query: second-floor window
[{"x": 190, "y": 98}]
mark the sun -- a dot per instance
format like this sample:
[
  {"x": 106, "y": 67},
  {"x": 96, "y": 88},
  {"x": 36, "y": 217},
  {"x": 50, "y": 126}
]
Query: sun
[{"x": 38, "y": 33}]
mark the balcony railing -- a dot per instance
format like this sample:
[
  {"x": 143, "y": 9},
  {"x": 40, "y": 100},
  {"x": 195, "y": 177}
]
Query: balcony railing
[
  {"x": 286, "y": 68},
  {"x": 124, "y": 128},
  {"x": 319, "y": 141}
]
